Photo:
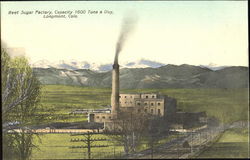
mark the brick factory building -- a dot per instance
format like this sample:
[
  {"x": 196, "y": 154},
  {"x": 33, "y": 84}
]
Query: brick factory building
[{"x": 151, "y": 103}]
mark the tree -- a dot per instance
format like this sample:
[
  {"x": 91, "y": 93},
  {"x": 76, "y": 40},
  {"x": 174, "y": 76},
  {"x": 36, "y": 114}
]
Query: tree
[
  {"x": 19, "y": 85},
  {"x": 158, "y": 127},
  {"x": 129, "y": 130},
  {"x": 20, "y": 99}
]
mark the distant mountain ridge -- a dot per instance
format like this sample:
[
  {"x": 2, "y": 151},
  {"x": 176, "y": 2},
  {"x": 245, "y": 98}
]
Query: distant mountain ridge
[
  {"x": 74, "y": 65},
  {"x": 167, "y": 76},
  {"x": 213, "y": 66}
]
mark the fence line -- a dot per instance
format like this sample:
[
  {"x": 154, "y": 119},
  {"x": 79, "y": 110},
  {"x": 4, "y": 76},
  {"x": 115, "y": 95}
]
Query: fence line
[{"x": 58, "y": 130}]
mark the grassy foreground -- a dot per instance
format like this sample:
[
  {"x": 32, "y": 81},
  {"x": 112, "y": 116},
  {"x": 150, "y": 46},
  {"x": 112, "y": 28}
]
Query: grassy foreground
[
  {"x": 228, "y": 105},
  {"x": 56, "y": 146},
  {"x": 234, "y": 143}
]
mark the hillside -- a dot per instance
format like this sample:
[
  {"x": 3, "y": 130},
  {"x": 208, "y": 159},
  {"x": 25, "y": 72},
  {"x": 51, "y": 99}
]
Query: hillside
[{"x": 168, "y": 76}]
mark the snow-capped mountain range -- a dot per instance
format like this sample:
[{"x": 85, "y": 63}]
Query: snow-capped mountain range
[
  {"x": 214, "y": 66},
  {"x": 74, "y": 65}
]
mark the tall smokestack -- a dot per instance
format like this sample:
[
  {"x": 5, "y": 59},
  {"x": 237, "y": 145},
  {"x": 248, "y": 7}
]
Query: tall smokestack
[
  {"x": 115, "y": 90},
  {"x": 127, "y": 27}
]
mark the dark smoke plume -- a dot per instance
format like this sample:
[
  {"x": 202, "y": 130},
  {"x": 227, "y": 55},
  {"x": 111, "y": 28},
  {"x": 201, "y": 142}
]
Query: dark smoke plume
[{"x": 127, "y": 28}]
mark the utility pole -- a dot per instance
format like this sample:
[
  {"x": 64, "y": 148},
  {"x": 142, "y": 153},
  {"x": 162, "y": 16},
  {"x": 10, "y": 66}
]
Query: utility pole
[
  {"x": 178, "y": 151},
  {"x": 114, "y": 151},
  {"x": 200, "y": 138},
  {"x": 191, "y": 141},
  {"x": 88, "y": 141},
  {"x": 152, "y": 146},
  {"x": 178, "y": 155},
  {"x": 152, "y": 151},
  {"x": 133, "y": 133},
  {"x": 133, "y": 141}
]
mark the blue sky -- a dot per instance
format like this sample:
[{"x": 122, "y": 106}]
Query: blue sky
[{"x": 191, "y": 32}]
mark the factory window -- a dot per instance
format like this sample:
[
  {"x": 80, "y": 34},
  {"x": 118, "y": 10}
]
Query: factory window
[
  {"x": 146, "y": 96},
  {"x": 159, "y": 104},
  {"x": 109, "y": 117},
  {"x": 97, "y": 116},
  {"x": 159, "y": 112},
  {"x": 152, "y": 104},
  {"x": 145, "y": 110},
  {"x": 103, "y": 117},
  {"x": 145, "y": 104},
  {"x": 119, "y": 96},
  {"x": 138, "y": 103},
  {"x": 125, "y": 97},
  {"x": 152, "y": 110},
  {"x": 153, "y": 96}
]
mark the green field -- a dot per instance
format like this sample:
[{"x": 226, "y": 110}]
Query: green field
[
  {"x": 228, "y": 105},
  {"x": 61, "y": 100},
  {"x": 234, "y": 143},
  {"x": 56, "y": 146}
]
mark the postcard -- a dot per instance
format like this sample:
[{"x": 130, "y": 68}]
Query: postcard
[{"x": 124, "y": 79}]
